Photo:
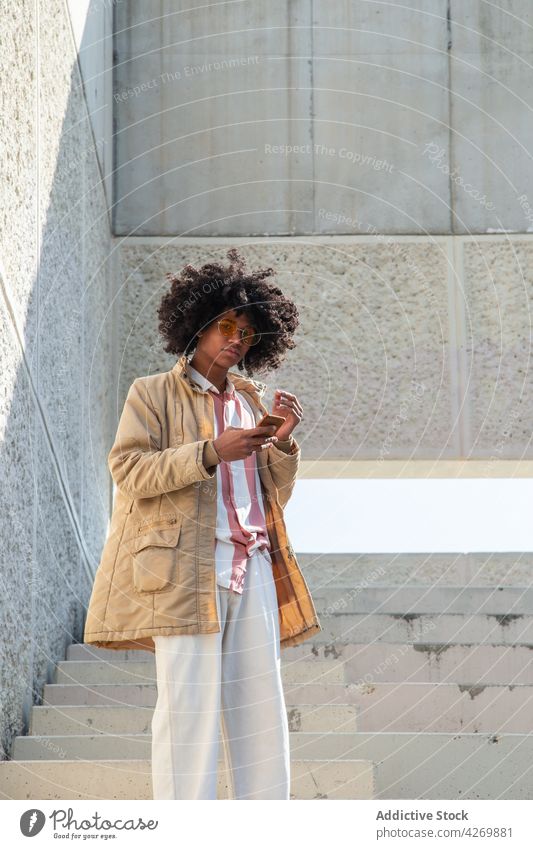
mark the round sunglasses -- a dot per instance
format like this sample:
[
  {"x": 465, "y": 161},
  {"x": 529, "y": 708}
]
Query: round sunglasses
[{"x": 228, "y": 326}]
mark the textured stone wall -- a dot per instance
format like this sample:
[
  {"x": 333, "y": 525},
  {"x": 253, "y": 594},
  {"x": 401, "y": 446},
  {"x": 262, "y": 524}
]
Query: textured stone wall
[
  {"x": 56, "y": 387},
  {"x": 410, "y": 348}
]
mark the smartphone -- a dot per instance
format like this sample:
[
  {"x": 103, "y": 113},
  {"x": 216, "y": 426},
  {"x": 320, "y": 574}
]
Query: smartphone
[{"x": 269, "y": 419}]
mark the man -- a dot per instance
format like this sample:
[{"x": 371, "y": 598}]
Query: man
[{"x": 202, "y": 486}]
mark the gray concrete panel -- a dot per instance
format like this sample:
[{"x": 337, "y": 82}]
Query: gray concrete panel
[
  {"x": 380, "y": 101},
  {"x": 491, "y": 116},
  {"x": 200, "y": 100}
]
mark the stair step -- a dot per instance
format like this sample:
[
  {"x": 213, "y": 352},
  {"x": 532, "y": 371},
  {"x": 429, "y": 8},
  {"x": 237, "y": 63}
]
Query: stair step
[
  {"x": 116, "y": 746},
  {"x": 424, "y": 600},
  {"x": 430, "y": 659},
  {"x": 455, "y": 628},
  {"x": 145, "y": 694},
  {"x": 380, "y": 707},
  {"x": 414, "y": 627},
  {"x": 132, "y": 779},
  {"x": 90, "y": 672},
  {"x": 459, "y": 663},
  {"x": 86, "y": 651},
  {"x": 421, "y": 599},
  {"x": 415, "y": 662},
  {"x": 440, "y": 766},
  {"x": 105, "y": 719},
  {"x": 450, "y": 568}
]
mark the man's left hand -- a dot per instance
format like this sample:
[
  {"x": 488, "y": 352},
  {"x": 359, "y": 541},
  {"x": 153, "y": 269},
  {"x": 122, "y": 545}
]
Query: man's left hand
[{"x": 287, "y": 405}]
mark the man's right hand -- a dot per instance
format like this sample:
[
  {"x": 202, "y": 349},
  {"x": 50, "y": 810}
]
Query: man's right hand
[{"x": 235, "y": 443}]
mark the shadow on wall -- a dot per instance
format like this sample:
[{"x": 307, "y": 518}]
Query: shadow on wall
[{"x": 56, "y": 409}]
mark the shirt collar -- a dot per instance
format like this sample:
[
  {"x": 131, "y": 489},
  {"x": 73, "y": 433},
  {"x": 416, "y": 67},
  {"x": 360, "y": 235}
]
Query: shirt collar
[
  {"x": 255, "y": 388},
  {"x": 206, "y": 384}
]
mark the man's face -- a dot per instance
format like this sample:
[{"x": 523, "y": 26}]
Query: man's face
[{"x": 225, "y": 350}]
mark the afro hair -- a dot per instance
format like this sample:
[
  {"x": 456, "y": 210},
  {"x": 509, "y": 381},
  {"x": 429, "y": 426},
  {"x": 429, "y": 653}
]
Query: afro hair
[{"x": 201, "y": 295}]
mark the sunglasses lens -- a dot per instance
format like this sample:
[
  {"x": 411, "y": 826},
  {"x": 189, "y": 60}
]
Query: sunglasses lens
[
  {"x": 251, "y": 337},
  {"x": 228, "y": 326}
]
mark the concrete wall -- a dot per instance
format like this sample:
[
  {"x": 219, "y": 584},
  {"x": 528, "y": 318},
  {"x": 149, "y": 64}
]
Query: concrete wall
[
  {"x": 56, "y": 382},
  {"x": 92, "y": 27},
  {"x": 309, "y": 118},
  {"x": 408, "y": 348}
]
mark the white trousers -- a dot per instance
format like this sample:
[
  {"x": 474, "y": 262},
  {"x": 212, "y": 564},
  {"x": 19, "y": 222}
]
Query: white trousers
[{"x": 228, "y": 681}]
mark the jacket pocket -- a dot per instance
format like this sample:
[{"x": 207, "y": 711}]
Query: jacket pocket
[{"x": 155, "y": 559}]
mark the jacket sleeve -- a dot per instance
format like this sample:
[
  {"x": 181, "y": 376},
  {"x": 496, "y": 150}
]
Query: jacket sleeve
[
  {"x": 283, "y": 462},
  {"x": 138, "y": 465}
]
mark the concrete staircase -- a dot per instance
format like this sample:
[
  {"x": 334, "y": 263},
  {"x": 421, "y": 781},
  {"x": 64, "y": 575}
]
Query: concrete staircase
[{"x": 419, "y": 686}]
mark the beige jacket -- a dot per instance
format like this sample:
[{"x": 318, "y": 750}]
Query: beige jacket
[{"x": 157, "y": 570}]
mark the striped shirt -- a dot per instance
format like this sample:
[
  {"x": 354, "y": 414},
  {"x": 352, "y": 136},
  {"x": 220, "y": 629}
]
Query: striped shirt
[{"x": 241, "y": 524}]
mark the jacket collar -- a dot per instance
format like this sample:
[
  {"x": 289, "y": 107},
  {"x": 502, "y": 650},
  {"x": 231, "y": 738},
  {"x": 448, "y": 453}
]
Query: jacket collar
[{"x": 255, "y": 388}]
